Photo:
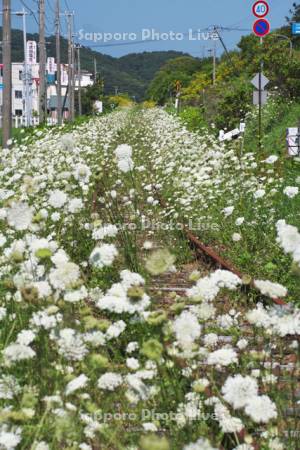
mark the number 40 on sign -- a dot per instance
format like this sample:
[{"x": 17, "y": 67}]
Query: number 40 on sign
[{"x": 260, "y": 9}]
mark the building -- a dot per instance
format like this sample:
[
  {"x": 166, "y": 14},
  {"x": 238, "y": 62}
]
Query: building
[{"x": 18, "y": 87}]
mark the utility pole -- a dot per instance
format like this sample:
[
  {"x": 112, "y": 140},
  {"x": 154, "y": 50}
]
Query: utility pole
[
  {"x": 214, "y": 63},
  {"x": 7, "y": 73},
  {"x": 212, "y": 53},
  {"x": 26, "y": 74},
  {"x": 214, "y": 34},
  {"x": 70, "y": 66},
  {"x": 58, "y": 64},
  {"x": 73, "y": 75},
  {"x": 95, "y": 70},
  {"x": 79, "y": 80},
  {"x": 42, "y": 63},
  {"x": 261, "y": 67}
]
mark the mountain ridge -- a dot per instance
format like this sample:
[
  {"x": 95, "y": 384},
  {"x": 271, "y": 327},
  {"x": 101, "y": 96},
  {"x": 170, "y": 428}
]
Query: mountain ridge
[{"x": 130, "y": 74}]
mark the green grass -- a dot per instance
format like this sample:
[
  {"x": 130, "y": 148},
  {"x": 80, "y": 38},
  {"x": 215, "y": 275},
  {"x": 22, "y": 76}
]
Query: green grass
[
  {"x": 16, "y": 134},
  {"x": 277, "y": 117}
]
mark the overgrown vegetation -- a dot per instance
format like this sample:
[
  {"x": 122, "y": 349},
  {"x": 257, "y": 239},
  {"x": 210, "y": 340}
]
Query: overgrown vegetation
[
  {"x": 114, "y": 336},
  {"x": 95, "y": 352},
  {"x": 227, "y": 102}
]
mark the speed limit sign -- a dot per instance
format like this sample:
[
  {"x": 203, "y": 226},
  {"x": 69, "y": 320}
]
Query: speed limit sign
[{"x": 260, "y": 9}]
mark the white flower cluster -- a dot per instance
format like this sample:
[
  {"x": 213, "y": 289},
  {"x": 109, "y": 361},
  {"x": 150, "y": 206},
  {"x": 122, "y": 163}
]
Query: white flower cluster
[
  {"x": 110, "y": 381},
  {"x": 187, "y": 329},
  {"x": 103, "y": 232},
  {"x": 273, "y": 290},
  {"x": 117, "y": 299},
  {"x": 123, "y": 153},
  {"x": 289, "y": 239},
  {"x": 242, "y": 393},
  {"x": 275, "y": 321},
  {"x": 222, "y": 357},
  {"x": 200, "y": 444},
  {"x": 103, "y": 256},
  {"x": 207, "y": 288}
]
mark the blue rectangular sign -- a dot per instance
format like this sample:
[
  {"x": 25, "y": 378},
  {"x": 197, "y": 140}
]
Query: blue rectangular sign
[
  {"x": 1, "y": 86},
  {"x": 295, "y": 28}
]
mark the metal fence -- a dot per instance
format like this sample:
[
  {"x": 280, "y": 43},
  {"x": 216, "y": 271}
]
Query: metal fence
[{"x": 20, "y": 121}]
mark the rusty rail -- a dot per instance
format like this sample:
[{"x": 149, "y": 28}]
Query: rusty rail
[{"x": 214, "y": 256}]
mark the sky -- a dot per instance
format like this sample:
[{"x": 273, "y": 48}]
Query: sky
[{"x": 156, "y": 20}]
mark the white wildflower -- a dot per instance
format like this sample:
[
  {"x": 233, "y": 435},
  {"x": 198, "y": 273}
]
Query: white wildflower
[
  {"x": 103, "y": 256},
  {"x": 18, "y": 352},
  {"x": 238, "y": 390},
  {"x": 201, "y": 444},
  {"x": 239, "y": 221},
  {"x": 222, "y": 357},
  {"x": 125, "y": 165},
  {"x": 25, "y": 337},
  {"x": 65, "y": 276},
  {"x": 103, "y": 232},
  {"x": 19, "y": 216},
  {"x": 123, "y": 151},
  {"x": 228, "y": 211},
  {"x": 291, "y": 191},
  {"x": 76, "y": 384},
  {"x": 260, "y": 193},
  {"x": 115, "y": 329},
  {"x": 236, "y": 237},
  {"x": 132, "y": 363},
  {"x": 57, "y": 199},
  {"x": 71, "y": 345},
  {"x": 187, "y": 329},
  {"x": 9, "y": 437},
  {"x": 82, "y": 173},
  {"x": 289, "y": 239},
  {"x": 273, "y": 290},
  {"x": 261, "y": 409},
  {"x": 110, "y": 381}
]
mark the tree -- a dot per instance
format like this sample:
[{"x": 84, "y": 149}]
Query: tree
[
  {"x": 295, "y": 14},
  {"x": 163, "y": 86},
  {"x": 193, "y": 93},
  {"x": 90, "y": 95}
]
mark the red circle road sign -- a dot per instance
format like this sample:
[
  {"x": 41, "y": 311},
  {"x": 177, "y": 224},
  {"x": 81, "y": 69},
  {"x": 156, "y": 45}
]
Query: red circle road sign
[
  {"x": 260, "y": 9},
  {"x": 261, "y": 27}
]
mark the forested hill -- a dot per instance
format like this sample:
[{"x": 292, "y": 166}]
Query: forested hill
[{"x": 130, "y": 74}]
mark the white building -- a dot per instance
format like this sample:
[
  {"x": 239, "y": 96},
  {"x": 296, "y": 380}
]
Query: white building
[{"x": 18, "y": 87}]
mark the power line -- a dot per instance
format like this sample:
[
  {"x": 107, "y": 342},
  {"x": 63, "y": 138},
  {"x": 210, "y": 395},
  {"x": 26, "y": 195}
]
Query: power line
[
  {"x": 30, "y": 10},
  {"x": 50, "y": 6},
  {"x": 67, "y": 5},
  {"x": 135, "y": 42}
]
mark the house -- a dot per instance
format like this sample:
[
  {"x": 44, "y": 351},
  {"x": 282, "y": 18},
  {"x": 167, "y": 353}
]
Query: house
[{"x": 18, "y": 87}]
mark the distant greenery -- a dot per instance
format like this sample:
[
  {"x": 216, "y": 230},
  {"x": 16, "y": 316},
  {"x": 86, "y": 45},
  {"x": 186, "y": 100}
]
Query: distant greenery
[
  {"x": 159, "y": 76},
  {"x": 229, "y": 101},
  {"x": 179, "y": 70},
  {"x": 130, "y": 74}
]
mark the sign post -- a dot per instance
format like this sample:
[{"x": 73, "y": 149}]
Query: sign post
[
  {"x": 261, "y": 28},
  {"x": 260, "y": 9},
  {"x": 295, "y": 29}
]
